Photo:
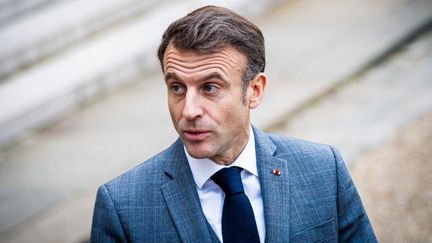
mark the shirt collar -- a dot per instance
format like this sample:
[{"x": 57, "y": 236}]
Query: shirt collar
[{"x": 203, "y": 169}]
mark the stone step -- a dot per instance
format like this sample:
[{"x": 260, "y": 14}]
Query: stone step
[
  {"x": 312, "y": 52},
  {"x": 371, "y": 108},
  {"x": 91, "y": 68},
  {"x": 11, "y": 10},
  {"x": 41, "y": 34}
]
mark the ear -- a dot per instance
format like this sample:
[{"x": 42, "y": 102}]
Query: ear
[{"x": 257, "y": 87}]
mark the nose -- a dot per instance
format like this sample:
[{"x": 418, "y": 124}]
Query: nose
[{"x": 192, "y": 106}]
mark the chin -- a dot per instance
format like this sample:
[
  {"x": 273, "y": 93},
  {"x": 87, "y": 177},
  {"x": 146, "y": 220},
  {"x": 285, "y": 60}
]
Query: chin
[{"x": 198, "y": 153}]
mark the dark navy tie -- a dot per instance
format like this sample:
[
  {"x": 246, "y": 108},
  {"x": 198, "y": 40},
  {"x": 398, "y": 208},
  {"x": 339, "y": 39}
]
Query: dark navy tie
[{"x": 238, "y": 221}]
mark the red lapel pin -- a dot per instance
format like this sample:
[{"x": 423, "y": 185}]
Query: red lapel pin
[{"x": 276, "y": 172}]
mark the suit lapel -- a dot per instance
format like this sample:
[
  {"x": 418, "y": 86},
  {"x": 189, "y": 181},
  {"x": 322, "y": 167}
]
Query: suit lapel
[
  {"x": 182, "y": 198},
  {"x": 184, "y": 206},
  {"x": 275, "y": 189}
]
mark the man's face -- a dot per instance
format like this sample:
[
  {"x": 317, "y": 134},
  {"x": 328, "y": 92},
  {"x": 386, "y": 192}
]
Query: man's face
[{"x": 205, "y": 102}]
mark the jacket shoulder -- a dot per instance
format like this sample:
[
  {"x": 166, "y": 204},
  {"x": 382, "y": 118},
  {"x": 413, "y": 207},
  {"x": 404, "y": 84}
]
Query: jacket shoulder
[
  {"x": 151, "y": 172},
  {"x": 302, "y": 149},
  {"x": 305, "y": 157},
  {"x": 136, "y": 202}
]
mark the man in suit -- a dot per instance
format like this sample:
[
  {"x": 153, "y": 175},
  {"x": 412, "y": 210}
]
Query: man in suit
[{"x": 223, "y": 179}]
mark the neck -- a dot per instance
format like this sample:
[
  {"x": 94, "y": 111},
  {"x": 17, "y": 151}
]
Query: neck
[{"x": 232, "y": 153}]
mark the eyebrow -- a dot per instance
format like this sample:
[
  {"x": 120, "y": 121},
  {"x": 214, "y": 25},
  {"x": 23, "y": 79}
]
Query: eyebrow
[
  {"x": 170, "y": 75},
  {"x": 214, "y": 75}
]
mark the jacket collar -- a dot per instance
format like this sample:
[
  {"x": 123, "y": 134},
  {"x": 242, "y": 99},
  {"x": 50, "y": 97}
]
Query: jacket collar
[
  {"x": 182, "y": 199},
  {"x": 184, "y": 206},
  {"x": 275, "y": 188}
]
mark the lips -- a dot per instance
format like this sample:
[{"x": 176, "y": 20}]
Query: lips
[{"x": 195, "y": 135}]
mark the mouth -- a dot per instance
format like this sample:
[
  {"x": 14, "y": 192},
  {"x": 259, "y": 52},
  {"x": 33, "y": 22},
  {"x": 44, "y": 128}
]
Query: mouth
[{"x": 195, "y": 135}]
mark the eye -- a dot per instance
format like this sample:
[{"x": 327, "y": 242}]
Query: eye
[
  {"x": 210, "y": 88},
  {"x": 177, "y": 88}
]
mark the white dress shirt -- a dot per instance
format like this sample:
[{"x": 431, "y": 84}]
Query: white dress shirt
[{"x": 211, "y": 195}]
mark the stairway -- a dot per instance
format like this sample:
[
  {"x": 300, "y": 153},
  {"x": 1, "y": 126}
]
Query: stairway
[{"x": 107, "y": 96}]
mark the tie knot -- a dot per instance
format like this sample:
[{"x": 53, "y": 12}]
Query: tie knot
[{"x": 229, "y": 180}]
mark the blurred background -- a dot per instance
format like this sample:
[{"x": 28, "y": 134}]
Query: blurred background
[{"x": 82, "y": 99}]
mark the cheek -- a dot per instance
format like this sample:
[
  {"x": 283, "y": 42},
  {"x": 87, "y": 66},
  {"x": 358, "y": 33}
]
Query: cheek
[
  {"x": 174, "y": 110},
  {"x": 233, "y": 115}
]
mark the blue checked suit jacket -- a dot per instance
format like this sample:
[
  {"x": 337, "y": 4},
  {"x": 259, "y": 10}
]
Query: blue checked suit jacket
[{"x": 312, "y": 200}]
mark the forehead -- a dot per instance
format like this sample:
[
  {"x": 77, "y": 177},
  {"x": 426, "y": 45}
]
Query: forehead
[{"x": 227, "y": 60}]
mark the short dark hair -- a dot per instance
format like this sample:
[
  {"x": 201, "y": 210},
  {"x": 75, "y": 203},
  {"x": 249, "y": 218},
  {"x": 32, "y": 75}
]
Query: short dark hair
[{"x": 210, "y": 29}]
